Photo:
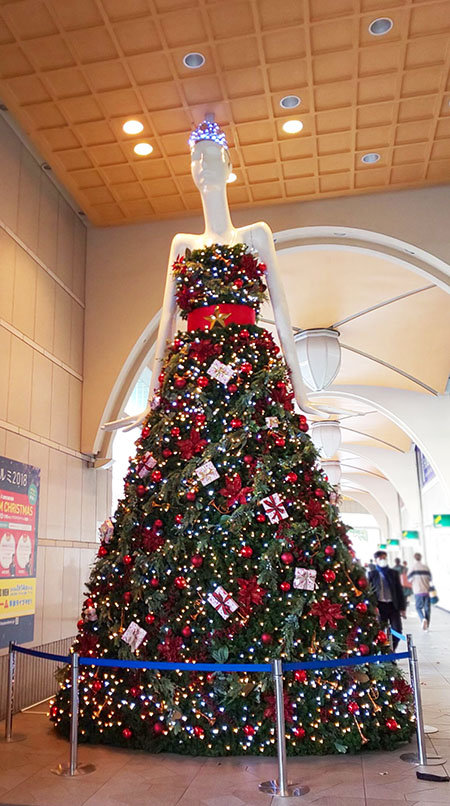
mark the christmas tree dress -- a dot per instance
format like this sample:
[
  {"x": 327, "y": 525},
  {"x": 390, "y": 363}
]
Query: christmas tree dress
[{"x": 227, "y": 548}]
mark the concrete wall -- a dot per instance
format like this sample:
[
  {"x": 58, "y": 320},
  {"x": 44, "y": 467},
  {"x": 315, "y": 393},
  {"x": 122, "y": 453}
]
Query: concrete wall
[{"x": 42, "y": 305}]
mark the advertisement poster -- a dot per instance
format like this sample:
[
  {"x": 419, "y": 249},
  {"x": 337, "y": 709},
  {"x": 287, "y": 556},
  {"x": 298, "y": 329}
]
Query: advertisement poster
[{"x": 19, "y": 514}]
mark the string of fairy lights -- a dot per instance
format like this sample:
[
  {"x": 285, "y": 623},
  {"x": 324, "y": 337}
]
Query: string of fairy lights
[{"x": 224, "y": 511}]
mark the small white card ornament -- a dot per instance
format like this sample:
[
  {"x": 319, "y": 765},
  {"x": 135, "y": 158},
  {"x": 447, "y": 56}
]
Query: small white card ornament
[
  {"x": 222, "y": 602},
  {"x": 106, "y": 530},
  {"x": 305, "y": 579},
  {"x": 145, "y": 464},
  {"x": 206, "y": 473},
  {"x": 272, "y": 422},
  {"x": 274, "y": 507},
  {"x": 134, "y": 635},
  {"x": 221, "y": 372}
]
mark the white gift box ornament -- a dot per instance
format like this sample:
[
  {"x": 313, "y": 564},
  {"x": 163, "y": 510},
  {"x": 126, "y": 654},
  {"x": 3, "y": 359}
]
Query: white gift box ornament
[
  {"x": 222, "y": 602},
  {"x": 106, "y": 530},
  {"x": 274, "y": 507},
  {"x": 221, "y": 372},
  {"x": 206, "y": 473},
  {"x": 305, "y": 579},
  {"x": 272, "y": 422},
  {"x": 134, "y": 635},
  {"x": 145, "y": 464}
]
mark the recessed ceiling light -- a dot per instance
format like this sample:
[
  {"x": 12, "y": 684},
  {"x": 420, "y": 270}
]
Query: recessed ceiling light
[
  {"x": 143, "y": 149},
  {"x": 194, "y": 60},
  {"x": 232, "y": 178},
  {"x": 292, "y": 126},
  {"x": 380, "y": 26},
  {"x": 369, "y": 159},
  {"x": 290, "y": 101},
  {"x": 133, "y": 127}
]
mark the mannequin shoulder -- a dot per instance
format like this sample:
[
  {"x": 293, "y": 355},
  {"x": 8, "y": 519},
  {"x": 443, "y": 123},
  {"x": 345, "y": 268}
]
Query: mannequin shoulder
[{"x": 181, "y": 241}]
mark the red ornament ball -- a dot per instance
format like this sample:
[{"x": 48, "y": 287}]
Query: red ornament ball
[
  {"x": 362, "y": 583},
  {"x": 161, "y": 377},
  {"x": 186, "y": 632},
  {"x": 266, "y": 638},
  {"x": 392, "y": 724},
  {"x": 145, "y": 432},
  {"x": 80, "y": 624},
  {"x": 329, "y": 576},
  {"x": 175, "y": 431},
  {"x": 158, "y": 727},
  {"x": 135, "y": 691},
  {"x": 203, "y": 381},
  {"x": 179, "y": 518},
  {"x": 141, "y": 489},
  {"x": 329, "y": 551},
  {"x": 248, "y": 460},
  {"x": 180, "y": 382},
  {"x": 127, "y": 597},
  {"x": 246, "y": 551},
  {"x": 304, "y": 427},
  {"x": 280, "y": 442},
  {"x": 246, "y": 367},
  {"x": 191, "y": 495},
  {"x": 166, "y": 453},
  {"x": 285, "y": 586},
  {"x": 382, "y": 637},
  {"x": 361, "y": 607},
  {"x": 319, "y": 493},
  {"x": 158, "y": 523},
  {"x": 244, "y": 334},
  {"x": 300, "y": 676},
  {"x": 180, "y": 582},
  {"x": 352, "y": 707},
  {"x": 154, "y": 582},
  {"x": 292, "y": 477},
  {"x": 299, "y": 733},
  {"x": 127, "y": 733},
  {"x": 364, "y": 649},
  {"x": 102, "y": 552},
  {"x": 232, "y": 388},
  {"x": 150, "y": 618},
  {"x": 199, "y": 732},
  {"x": 236, "y": 422},
  {"x": 54, "y": 711},
  {"x": 238, "y": 282},
  {"x": 156, "y": 475},
  {"x": 197, "y": 560},
  {"x": 260, "y": 517},
  {"x": 200, "y": 419},
  {"x": 249, "y": 730},
  {"x": 127, "y": 560},
  {"x": 287, "y": 558},
  {"x": 97, "y": 685}
]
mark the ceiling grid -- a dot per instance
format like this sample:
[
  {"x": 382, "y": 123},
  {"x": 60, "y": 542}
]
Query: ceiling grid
[{"x": 71, "y": 73}]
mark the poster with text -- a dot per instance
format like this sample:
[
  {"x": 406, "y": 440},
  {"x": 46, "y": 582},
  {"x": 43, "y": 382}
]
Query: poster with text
[{"x": 19, "y": 515}]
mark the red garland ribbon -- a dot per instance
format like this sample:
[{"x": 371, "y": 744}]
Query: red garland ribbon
[{"x": 233, "y": 314}]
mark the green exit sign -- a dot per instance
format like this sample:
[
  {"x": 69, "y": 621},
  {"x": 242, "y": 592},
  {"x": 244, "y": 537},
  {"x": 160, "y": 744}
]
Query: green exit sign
[
  {"x": 382, "y": 546},
  {"x": 410, "y": 534},
  {"x": 441, "y": 520},
  {"x": 393, "y": 541}
]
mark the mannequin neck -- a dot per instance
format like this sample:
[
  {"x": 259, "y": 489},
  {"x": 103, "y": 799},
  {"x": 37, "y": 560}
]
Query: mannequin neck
[{"x": 218, "y": 225}]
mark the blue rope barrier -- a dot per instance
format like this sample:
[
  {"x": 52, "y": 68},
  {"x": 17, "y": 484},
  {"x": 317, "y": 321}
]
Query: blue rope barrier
[
  {"x": 357, "y": 660},
  {"x": 399, "y": 635}
]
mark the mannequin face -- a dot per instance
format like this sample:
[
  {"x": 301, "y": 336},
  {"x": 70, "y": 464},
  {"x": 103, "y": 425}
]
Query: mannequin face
[{"x": 210, "y": 165}]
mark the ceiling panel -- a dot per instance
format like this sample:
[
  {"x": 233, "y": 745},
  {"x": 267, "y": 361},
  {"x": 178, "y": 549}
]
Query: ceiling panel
[{"x": 72, "y": 72}]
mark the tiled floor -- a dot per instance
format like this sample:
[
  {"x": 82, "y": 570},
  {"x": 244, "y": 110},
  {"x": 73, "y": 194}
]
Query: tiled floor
[{"x": 122, "y": 778}]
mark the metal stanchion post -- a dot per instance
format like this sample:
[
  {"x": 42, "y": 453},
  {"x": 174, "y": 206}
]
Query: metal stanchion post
[
  {"x": 421, "y": 756},
  {"x": 72, "y": 769},
  {"x": 281, "y": 787},
  {"x": 9, "y": 737}
]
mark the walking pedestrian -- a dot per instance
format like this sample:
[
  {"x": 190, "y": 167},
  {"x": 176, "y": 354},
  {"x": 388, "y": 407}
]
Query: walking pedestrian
[
  {"x": 420, "y": 578},
  {"x": 388, "y": 590}
]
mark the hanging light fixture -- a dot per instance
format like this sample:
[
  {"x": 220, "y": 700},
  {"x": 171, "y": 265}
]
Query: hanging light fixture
[
  {"x": 332, "y": 469},
  {"x": 326, "y": 435},
  {"x": 319, "y": 355}
]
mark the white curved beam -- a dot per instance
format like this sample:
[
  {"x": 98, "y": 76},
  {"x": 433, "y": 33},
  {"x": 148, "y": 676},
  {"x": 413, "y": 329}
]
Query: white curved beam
[
  {"x": 372, "y": 506},
  {"x": 383, "y": 492}
]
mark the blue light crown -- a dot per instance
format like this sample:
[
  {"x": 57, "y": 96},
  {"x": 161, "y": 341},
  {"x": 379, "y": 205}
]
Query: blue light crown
[{"x": 208, "y": 130}]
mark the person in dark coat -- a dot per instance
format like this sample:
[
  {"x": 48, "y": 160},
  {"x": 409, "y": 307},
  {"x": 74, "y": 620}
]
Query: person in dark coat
[{"x": 387, "y": 587}]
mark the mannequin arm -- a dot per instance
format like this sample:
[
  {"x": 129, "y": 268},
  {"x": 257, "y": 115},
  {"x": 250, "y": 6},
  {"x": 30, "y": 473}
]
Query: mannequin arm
[
  {"x": 263, "y": 240},
  {"x": 165, "y": 333}
]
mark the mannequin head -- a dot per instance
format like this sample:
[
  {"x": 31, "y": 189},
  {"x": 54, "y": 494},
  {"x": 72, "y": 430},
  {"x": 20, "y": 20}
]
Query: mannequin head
[{"x": 210, "y": 165}]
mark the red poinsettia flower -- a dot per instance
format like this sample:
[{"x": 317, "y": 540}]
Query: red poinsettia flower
[
  {"x": 170, "y": 647},
  {"x": 250, "y": 266},
  {"x": 270, "y": 710},
  {"x": 192, "y": 445},
  {"x": 179, "y": 266},
  {"x": 151, "y": 540},
  {"x": 315, "y": 514},
  {"x": 203, "y": 350},
  {"x": 402, "y": 690},
  {"x": 283, "y": 397},
  {"x": 234, "y": 491},
  {"x": 327, "y": 613},
  {"x": 250, "y": 592}
]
